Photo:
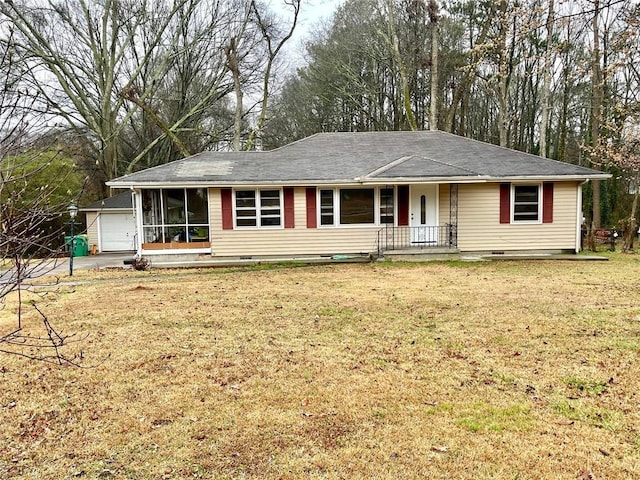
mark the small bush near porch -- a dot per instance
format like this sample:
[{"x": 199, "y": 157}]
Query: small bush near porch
[{"x": 474, "y": 371}]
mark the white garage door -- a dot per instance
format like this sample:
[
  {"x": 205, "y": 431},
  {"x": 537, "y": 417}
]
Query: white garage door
[{"x": 117, "y": 232}]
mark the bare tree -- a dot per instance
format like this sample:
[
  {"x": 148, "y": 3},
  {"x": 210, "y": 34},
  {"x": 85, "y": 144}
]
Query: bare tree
[
  {"x": 394, "y": 43},
  {"x": 186, "y": 110},
  {"x": 254, "y": 45},
  {"x": 597, "y": 88},
  {"x": 274, "y": 41},
  {"x": 627, "y": 158},
  {"x": 237, "y": 49},
  {"x": 100, "y": 64},
  {"x": 505, "y": 50},
  {"x": 546, "y": 85},
  {"x": 30, "y": 231},
  {"x": 435, "y": 46},
  {"x": 476, "y": 54}
]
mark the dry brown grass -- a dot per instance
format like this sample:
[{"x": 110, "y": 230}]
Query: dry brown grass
[{"x": 474, "y": 371}]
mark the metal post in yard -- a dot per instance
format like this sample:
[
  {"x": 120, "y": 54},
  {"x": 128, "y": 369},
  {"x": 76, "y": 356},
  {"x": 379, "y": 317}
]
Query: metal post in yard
[{"x": 73, "y": 211}]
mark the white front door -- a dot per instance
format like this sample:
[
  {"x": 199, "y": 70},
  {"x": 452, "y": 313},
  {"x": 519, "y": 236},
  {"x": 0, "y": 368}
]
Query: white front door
[{"x": 424, "y": 214}]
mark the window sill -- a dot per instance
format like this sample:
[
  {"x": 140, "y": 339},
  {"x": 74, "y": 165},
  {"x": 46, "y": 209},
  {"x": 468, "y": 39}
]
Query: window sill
[
  {"x": 176, "y": 246},
  {"x": 250, "y": 229}
]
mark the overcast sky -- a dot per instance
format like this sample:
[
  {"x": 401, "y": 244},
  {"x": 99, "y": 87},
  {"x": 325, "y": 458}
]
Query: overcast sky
[
  {"x": 312, "y": 13},
  {"x": 314, "y": 10}
]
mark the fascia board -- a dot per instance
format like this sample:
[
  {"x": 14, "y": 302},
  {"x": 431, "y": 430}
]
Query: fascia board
[
  {"x": 488, "y": 179},
  {"x": 134, "y": 185},
  {"x": 274, "y": 183},
  {"x": 555, "y": 178},
  {"x": 360, "y": 181},
  {"x": 413, "y": 180},
  {"x": 106, "y": 209}
]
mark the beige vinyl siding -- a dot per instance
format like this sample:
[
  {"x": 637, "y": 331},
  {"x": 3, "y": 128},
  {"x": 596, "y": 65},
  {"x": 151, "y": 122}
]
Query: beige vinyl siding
[
  {"x": 92, "y": 229},
  {"x": 479, "y": 227},
  {"x": 290, "y": 241},
  {"x": 443, "y": 203}
]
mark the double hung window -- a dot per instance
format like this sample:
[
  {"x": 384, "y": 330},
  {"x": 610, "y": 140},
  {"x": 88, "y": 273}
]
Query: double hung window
[
  {"x": 255, "y": 208},
  {"x": 526, "y": 203},
  {"x": 386, "y": 206},
  {"x": 326, "y": 207}
]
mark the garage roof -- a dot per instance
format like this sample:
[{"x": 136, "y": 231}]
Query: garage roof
[{"x": 122, "y": 201}]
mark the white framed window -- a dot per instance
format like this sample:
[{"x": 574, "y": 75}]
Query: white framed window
[
  {"x": 258, "y": 208},
  {"x": 387, "y": 206},
  {"x": 270, "y": 208},
  {"x": 356, "y": 206},
  {"x": 526, "y": 203},
  {"x": 327, "y": 212}
]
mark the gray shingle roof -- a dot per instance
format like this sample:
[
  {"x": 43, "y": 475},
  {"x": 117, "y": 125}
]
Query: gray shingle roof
[
  {"x": 122, "y": 201},
  {"x": 373, "y": 157}
]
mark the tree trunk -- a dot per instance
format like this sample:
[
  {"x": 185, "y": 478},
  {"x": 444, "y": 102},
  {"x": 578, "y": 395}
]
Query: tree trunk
[
  {"x": 546, "y": 83},
  {"x": 129, "y": 94},
  {"x": 564, "y": 130},
  {"x": 461, "y": 92},
  {"x": 503, "y": 78},
  {"x": 404, "y": 79},
  {"x": 596, "y": 109},
  {"x": 273, "y": 53},
  {"x": 629, "y": 225},
  {"x": 231, "y": 51},
  {"x": 433, "y": 101}
]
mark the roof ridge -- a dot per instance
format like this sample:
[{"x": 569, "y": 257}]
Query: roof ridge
[
  {"x": 388, "y": 166},
  {"x": 295, "y": 142},
  {"x": 408, "y": 157},
  {"x": 450, "y": 165}
]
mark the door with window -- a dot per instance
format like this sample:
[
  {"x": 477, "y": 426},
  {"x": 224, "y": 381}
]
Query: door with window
[{"x": 424, "y": 214}]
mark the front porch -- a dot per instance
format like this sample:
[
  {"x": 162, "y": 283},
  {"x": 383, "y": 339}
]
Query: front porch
[{"x": 418, "y": 242}]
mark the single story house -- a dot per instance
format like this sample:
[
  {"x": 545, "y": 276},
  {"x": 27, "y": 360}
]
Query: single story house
[
  {"x": 111, "y": 224},
  {"x": 340, "y": 194}
]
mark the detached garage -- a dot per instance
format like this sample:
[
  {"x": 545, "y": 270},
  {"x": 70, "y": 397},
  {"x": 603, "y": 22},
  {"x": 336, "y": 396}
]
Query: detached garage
[{"x": 111, "y": 224}]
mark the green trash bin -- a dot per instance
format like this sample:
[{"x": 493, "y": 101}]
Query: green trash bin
[{"x": 80, "y": 245}]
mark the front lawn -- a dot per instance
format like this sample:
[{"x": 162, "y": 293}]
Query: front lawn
[{"x": 423, "y": 371}]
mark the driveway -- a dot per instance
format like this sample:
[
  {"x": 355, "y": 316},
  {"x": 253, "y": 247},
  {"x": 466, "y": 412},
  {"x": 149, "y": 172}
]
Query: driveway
[
  {"x": 60, "y": 266},
  {"x": 99, "y": 261}
]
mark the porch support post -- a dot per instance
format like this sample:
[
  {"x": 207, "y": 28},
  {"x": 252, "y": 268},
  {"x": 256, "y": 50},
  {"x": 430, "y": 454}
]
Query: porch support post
[
  {"x": 136, "y": 200},
  {"x": 453, "y": 214}
]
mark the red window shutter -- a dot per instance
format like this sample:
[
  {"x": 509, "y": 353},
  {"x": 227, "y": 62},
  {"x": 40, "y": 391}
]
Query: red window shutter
[
  {"x": 547, "y": 203},
  {"x": 312, "y": 209},
  {"x": 505, "y": 203},
  {"x": 227, "y": 209},
  {"x": 289, "y": 210},
  {"x": 403, "y": 205}
]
